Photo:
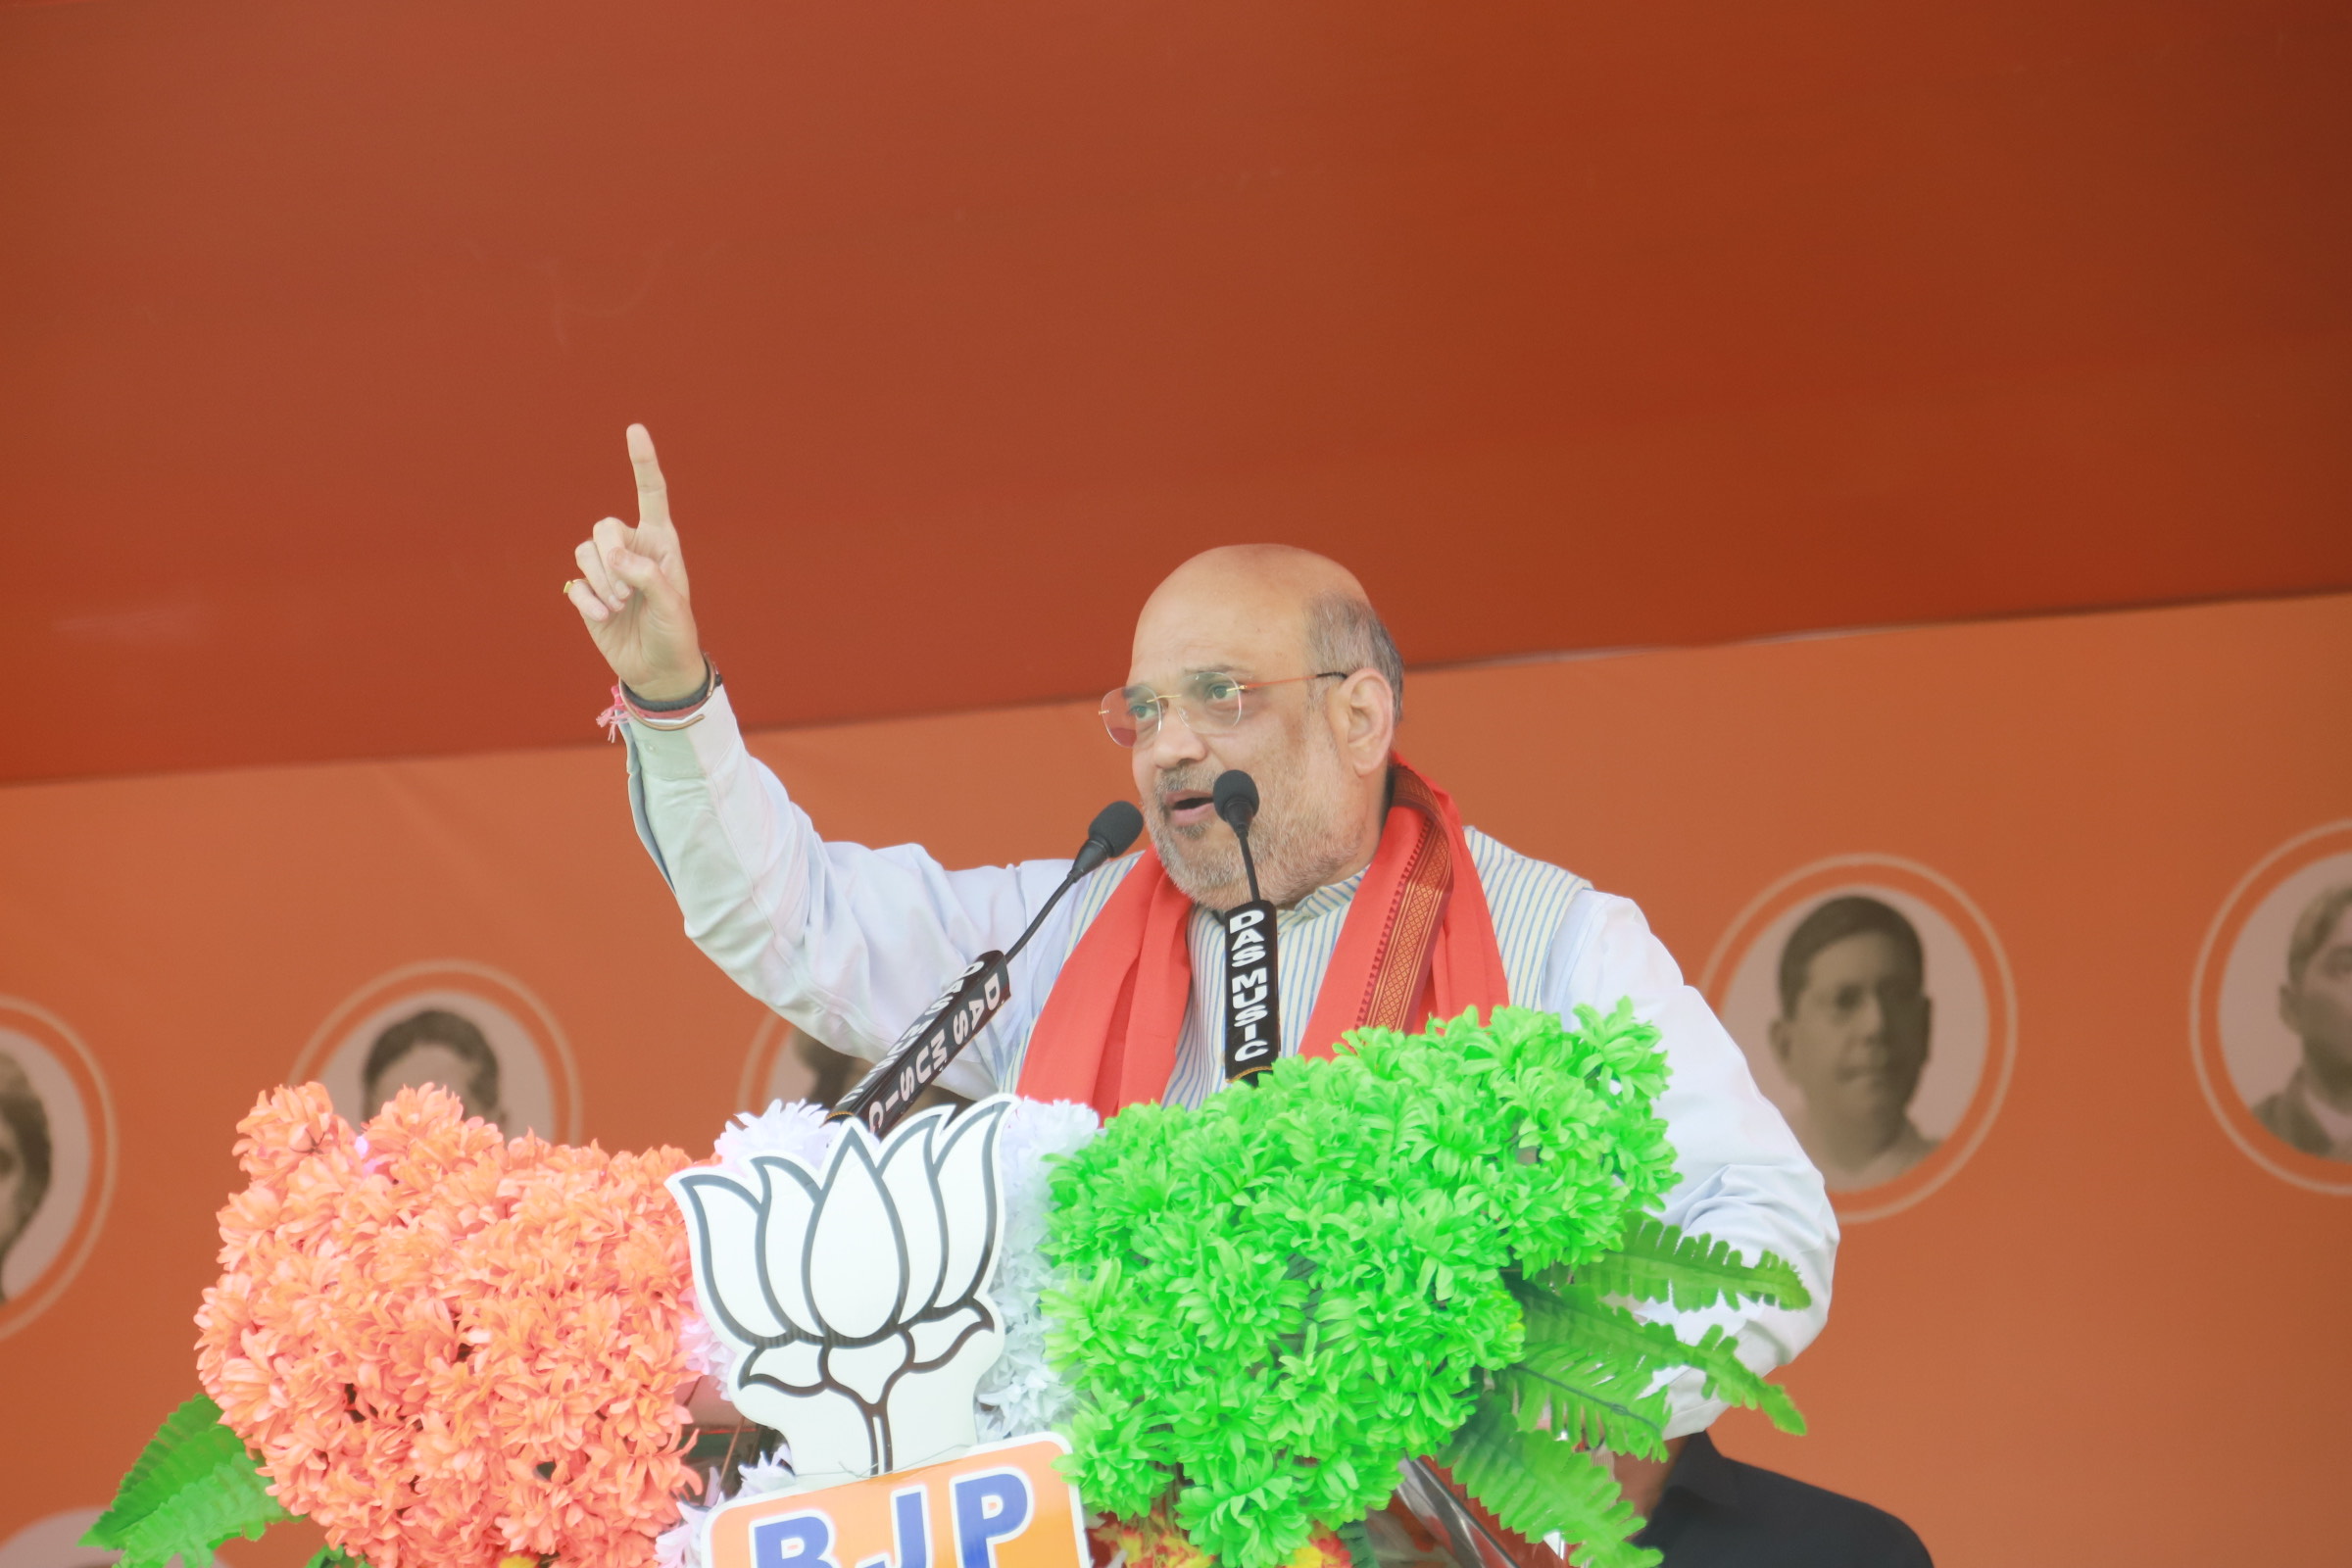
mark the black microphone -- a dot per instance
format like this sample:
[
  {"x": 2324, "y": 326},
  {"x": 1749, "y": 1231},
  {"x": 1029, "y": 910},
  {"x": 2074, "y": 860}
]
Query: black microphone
[
  {"x": 1252, "y": 1023},
  {"x": 1235, "y": 799},
  {"x": 884, "y": 1096},
  {"x": 1108, "y": 836}
]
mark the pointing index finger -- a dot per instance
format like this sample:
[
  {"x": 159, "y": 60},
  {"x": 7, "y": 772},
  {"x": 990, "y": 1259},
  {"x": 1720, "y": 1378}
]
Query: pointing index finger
[{"x": 653, "y": 494}]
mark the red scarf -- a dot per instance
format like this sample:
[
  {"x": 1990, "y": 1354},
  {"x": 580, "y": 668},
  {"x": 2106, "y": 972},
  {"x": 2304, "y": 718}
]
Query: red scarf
[{"x": 1419, "y": 941}]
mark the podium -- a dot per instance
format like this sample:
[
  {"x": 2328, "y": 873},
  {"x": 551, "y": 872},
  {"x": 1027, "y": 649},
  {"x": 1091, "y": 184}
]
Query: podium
[{"x": 1375, "y": 1307}]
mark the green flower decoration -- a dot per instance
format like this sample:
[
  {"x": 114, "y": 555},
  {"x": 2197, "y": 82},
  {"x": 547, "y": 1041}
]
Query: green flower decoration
[{"x": 1414, "y": 1249}]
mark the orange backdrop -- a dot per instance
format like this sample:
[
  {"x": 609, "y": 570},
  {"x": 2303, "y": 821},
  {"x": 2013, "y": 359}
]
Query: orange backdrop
[
  {"x": 1685, "y": 322},
  {"x": 2110, "y": 1336}
]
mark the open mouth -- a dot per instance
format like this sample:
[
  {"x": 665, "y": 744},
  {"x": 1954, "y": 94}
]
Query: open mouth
[{"x": 1187, "y": 807}]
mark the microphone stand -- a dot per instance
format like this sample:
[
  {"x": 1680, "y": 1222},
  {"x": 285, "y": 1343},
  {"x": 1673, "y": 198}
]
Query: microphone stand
[
  {"x": 884, "y": 1096},
  {"x": 1252, "y": 1021}
]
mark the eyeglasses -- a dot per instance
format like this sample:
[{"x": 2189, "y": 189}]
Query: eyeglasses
[{"x": 1210, "y": 704}]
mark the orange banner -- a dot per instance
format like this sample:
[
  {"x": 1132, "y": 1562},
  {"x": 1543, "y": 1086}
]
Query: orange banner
[{"x": 2092, "y": 864}]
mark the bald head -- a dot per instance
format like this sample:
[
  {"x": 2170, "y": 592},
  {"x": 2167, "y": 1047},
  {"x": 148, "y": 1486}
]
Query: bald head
[
  {"x": 1322, "y": 684},
  {"x": 1277, "y": 602},
  {"x": 1267, "y": 577}
]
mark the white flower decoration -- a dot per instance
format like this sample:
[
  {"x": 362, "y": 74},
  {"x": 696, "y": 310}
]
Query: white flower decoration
[{"x": 858, "y": 1300}]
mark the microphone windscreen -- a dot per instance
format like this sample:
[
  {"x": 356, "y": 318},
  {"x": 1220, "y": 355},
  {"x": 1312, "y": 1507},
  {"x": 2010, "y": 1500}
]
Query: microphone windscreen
[
  {"x": 1115, "y": 827},
  {"x": 1236, "y": 797}
]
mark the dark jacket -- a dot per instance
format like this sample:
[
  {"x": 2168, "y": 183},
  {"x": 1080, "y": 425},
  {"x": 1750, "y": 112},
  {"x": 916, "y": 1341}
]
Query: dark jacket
[
  {"x": 2288, "y": 1115},
  {"x": 1719, "y": 1514}
]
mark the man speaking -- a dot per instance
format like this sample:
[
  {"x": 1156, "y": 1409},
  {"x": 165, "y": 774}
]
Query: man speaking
[{"x": 1260, "y": 658}]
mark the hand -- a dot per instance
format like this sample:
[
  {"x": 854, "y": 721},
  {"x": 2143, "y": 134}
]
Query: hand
[
  {"x": 631, "y": 590},
  {"x": 1643, "y": 1481}
]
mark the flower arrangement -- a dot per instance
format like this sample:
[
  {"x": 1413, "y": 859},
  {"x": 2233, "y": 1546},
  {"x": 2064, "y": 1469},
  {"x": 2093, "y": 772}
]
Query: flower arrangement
[
  {"x": 1154, "y": 1539},
  {"x": 1408, "y": 1249},
  {"x": 448, "y": 1348}
]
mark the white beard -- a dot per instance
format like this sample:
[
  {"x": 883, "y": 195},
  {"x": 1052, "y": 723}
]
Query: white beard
[{"x": 1297, "y": 840}]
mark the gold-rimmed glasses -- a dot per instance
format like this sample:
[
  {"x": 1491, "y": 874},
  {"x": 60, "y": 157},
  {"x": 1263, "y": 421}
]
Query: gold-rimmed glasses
[{"x": 1211, "y": 703}]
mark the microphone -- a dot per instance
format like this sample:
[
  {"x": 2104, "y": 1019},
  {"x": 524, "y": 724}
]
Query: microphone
[
  {"x": 884, "y": 1096},
  {"x": 1108, "y": 836},
  {"x": 1235, "y": 797},
  {"x": 1252, "y": 1023}
]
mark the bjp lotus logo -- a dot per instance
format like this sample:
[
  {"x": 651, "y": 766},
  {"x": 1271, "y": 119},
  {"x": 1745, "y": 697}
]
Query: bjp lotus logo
[{"x": 857, "y": 1300}]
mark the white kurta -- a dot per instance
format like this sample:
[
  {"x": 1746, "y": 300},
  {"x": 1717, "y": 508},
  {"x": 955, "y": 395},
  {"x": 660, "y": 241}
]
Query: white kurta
[{"x": 851, "y": 943}]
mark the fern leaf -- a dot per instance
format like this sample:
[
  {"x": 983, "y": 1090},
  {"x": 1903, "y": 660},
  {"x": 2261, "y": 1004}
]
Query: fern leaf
[
  {"x": 1656, "y": 1261},
  {"x": 1716, "y": 1355},
  {"x": 1574, "y": 1319},
  {"x": 192, "y": 1487},
  {"x": 1539, "y": 1486},
  {"x": 1588, "y": 1399},
  {"x": 1570, "y": 1319}
]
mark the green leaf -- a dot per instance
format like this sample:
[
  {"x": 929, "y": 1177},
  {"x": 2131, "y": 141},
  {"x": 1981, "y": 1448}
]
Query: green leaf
[
  {"x": 1727, "y": 1377},
  {"x": 1590, "y": 1398},
  {"x": 177, "y": 1454},
  {"x": 1539, "y": 1484},
  {"x": 334, "y": 1557},
  {"x": 1656, "y": 1261},
  {"x": 192, "y": 1487},
  {"x": 1574, "y": 1316},
  {"x": 1572, "y": 1319}
]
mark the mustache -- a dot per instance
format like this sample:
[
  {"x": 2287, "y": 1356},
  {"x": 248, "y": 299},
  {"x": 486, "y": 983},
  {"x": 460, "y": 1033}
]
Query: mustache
[{"x": 1191, "y": 778}]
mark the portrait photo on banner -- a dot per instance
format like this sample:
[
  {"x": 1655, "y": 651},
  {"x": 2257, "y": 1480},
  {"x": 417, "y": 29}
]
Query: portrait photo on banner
[
  {"x": 2271, "y": 1013},
  {"x": 1872, "y": 1002},
  {"x": 56, "y": 1158},
  {"x": 54, "y": 1541},
  {"x": 468, "y": 1028},
  {"x": 787, "y": 1063}
]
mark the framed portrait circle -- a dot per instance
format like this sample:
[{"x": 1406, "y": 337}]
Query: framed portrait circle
[
  {"x": 781, "y": 1065},
  {"x": 57, "y": 1148},
  {"x": 473, "y": 1029},
  {"x": 1967, "y": 1032},
  {"x": 2248, "y": 1057},
  {"x": 54, "y": 1541}
]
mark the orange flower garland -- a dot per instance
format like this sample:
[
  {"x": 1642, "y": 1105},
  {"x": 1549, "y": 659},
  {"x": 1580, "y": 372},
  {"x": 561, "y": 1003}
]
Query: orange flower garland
[{"x": 447, "y": 1348}]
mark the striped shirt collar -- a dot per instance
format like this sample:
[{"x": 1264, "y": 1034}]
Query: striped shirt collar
[{"x": 1323, "y": 901}]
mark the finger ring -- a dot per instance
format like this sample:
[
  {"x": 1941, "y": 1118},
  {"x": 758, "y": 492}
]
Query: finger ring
[{"x": 569, "y": 586}]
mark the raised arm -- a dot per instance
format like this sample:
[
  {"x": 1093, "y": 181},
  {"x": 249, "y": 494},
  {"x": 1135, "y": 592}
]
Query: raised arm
[
  {"x": 632, "y": 590},
  {"x": 846, "y": 942}
]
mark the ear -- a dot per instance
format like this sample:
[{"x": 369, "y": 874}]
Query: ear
[
  {"x": 2289, "y": 1013},
  {"x": 1777, "y": 1035},
  {"x": 1363, "y": 715}
]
